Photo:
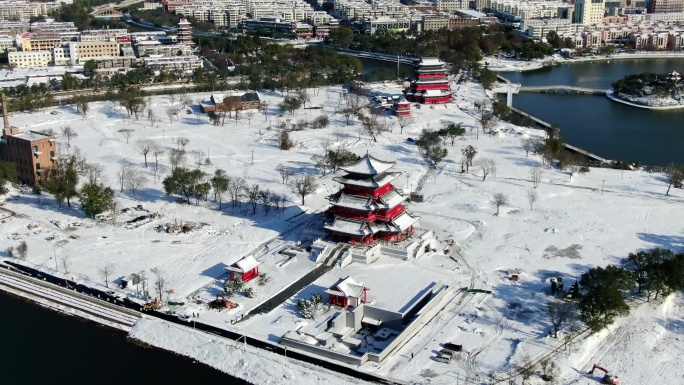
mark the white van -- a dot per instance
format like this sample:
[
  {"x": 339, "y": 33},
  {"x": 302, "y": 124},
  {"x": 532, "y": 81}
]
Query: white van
[{"x": 443, "y": 358}]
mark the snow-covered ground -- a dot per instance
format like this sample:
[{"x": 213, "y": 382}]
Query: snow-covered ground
[{"x": 577, "y": 222}]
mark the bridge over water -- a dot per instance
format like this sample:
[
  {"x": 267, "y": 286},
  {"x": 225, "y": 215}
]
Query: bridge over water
[{"x": 559, "y": 89}]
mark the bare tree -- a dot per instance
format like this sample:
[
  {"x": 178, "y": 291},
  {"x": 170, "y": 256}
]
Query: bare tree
[
  {"x": 106, "y": 271},
  {"x": 92, "y": 172},
  {"x": 113, "y": 208},
  {"x": 176, "y": 158},
  {"x": 499, "y": 200},
  {"x": 486, "y": 122},
  {"x": 531, "y": 197},
  {"x": 304, "y": 185},
  {"x": 170, "y": 113},
  {"x": 263, "y": 107},
  {"x": 528, "y": 144},
  {"x": 558, "y": 311},
  {"x": 181, "y": 142},
  {"x": 487, "y": 166},
  {"x": 404, "y": 121},
  {"x": 236, "y": 186},
  {"x": 156, "y": 152},
  {"x": 285, "y": 172},
  {"x": 199, "y": 157},
  {"x": 135, "y": 181},
  {"x": 151, "y": 116},
  {"x": 249, "y": 115},
  {"x": 65, "y": 261},
  {"x": 22, "y": 250},
  {"x": 122, "y": 175},
  {"x": 143, "y": 147},
  {"x": 252, "y": 193},
  {"x": 68, "y": 133},
  {"x": 160, "y": 283},
  {"x": 265, "y": 200},
  {"x": 127, "y": 133},
  {"x": 536, "y": 175},
  {"x": 674, "y": 177}
]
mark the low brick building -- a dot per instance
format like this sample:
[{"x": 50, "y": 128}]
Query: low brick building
[{"x": 247, "y": 100}]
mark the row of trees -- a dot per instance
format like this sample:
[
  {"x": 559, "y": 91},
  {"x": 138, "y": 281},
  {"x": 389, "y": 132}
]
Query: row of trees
[
  {"x": 432, "y": 142},
  {"x": 600, "y": 293}
]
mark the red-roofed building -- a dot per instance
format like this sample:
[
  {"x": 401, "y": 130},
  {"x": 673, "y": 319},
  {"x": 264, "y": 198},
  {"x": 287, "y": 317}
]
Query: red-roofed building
[
  {"x": 247, "y": 269},
  {"x": 347, "y": 292},
  {"x": 368, "y": 208}
]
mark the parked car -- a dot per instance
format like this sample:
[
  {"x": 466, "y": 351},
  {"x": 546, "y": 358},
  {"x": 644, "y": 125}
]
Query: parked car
[{"x": 443, "y": 358}]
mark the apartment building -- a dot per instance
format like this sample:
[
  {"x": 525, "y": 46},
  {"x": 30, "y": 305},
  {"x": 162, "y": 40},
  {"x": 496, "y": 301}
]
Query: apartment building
[
  {"x": 40, "y": 43},
  {"x": 662, "y": 6},
  {"x": 32, "y": 152},
  {"x": 451, "y": 6},
  {"x": 540, "y": 28},
  {"x": 30, "y": 59},
  {"x": 588, "y": 12},
  {"x": 8, "y": 27},
  {"x": 7, "y": 43},
  {"x": 80, "y": 52},
  {"x": 514, "y": 10},
  {"x": 164, "y": 50},
  {"x": 370, "y": 27},
  {"x": 176, "y": 63},
  {"x": 24, "y": 10}
]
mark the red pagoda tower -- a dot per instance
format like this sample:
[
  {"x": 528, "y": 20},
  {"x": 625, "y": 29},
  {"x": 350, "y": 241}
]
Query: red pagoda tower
[
  {"x": 430, "y": 84},
  {"x": 368, "y": 208},
  {"x": 402, "y": 108}
]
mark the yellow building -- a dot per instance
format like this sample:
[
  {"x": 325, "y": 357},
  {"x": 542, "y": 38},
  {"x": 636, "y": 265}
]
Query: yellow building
[
  {"x": 80, "y": 52},
  {"x": 40, "y": 43},
  {"x": 30, "y": 59}
]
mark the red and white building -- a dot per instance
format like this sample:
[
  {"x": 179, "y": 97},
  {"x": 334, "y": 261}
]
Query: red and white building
[
  {"x": 368, "y": 208},
  {"x": 402, "y": 108},
  {"x": 246, "y": 268},
  {"x": 430, "y": 84},
  {"x": 347, "y": 292}
]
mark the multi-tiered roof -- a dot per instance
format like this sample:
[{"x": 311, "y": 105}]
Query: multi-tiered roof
[
  {"x": 430, "y": 84},
  {"x": 368, "y": 208}
]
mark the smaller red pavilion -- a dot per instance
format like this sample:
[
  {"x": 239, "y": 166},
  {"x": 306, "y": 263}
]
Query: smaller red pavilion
[
  {"x": 347, "y": 292},
  {"x": 402, "y": 108},
  {"x": 246, "y": 268}
]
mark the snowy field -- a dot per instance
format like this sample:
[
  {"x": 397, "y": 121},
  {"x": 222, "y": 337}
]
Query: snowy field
[{"x": 578, "y": 222}]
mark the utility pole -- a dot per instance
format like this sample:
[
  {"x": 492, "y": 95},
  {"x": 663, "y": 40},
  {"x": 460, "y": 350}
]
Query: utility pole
[
  {"x": 397, "y": 66},
  {"x": 252, "y": 156},
  {"x": 602, "y": 184},
  {"x": 407, "y": 180}
]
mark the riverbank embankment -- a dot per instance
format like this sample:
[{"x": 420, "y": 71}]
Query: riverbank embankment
[
  {"x": 506, "y": 65},
  {"x": 611, "y": 95}
]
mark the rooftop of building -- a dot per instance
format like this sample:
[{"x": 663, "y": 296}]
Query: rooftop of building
[
  {"x": 368, "y": 165},
  {"x": 32, "y": 136}
]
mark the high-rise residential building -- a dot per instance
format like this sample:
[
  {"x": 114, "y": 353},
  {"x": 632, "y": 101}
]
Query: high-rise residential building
[
  {"x": 662, "y": 6},
  {"x": 588, "y": 12}
]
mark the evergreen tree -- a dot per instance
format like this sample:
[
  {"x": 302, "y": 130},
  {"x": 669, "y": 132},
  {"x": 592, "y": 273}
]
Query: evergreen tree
[
  {"x": 95, "y": 199},
  {"x": 62, "y": 179},
  {"x": 601, "y": 299},
  {"x": 183, "y": 182},
  {"x": 8, "y": 174}
]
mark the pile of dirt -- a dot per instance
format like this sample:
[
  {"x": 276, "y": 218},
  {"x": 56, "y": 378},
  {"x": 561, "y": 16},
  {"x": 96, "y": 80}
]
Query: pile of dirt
[{"x": 180, "y": 227}]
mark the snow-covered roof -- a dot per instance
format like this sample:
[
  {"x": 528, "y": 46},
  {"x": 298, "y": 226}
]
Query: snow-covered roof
[
  {"x": 368, "y": 165},
  {"x": 430, "y": 61},
  {"x": 348, "y": 226},
  {"x": 245, "y": 264},
  {"x": 376, "y": 181},
  {"x": 355, "y": 202},
  {"x": 435, "y": 93},
  {"x": 404, "y": 221},
  {"x": 431, "y": 81},
  {"x": 391, "y": 199},
  {"x": 349, "y": 287}
]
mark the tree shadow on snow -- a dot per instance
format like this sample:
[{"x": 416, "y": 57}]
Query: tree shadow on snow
[{"x": 672, "y": 242}]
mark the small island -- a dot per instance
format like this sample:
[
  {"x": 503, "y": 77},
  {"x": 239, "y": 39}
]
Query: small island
[{"x": 651, "y": 91}]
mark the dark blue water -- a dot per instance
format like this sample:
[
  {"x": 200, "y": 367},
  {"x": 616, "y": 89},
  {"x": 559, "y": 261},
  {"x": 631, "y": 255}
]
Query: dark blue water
[
  {"x": 40, "y": 346},
  {"x": 601, "y": 126}
]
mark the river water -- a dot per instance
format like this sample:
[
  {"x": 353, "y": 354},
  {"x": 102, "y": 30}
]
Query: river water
[
  {"x": 40, "y": 346},
  {"x": 599, "y": 125}
]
